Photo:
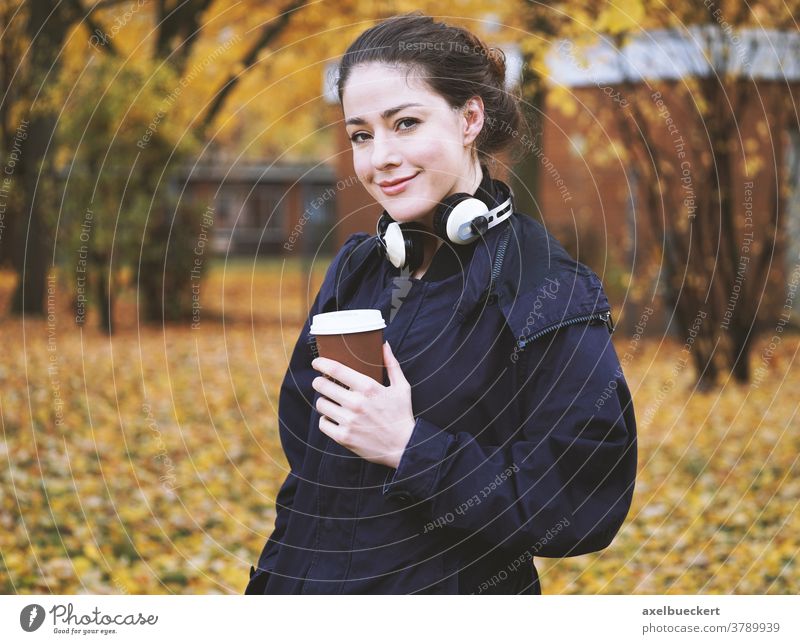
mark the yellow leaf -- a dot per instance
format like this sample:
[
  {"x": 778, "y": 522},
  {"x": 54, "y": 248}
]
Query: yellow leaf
[{"x": 621, "y": 16}]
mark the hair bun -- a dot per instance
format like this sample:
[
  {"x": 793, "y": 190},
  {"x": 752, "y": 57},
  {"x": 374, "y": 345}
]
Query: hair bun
[{"x": 497, "y": 58}]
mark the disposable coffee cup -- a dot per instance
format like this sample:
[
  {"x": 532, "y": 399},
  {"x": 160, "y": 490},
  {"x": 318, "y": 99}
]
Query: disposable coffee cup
[{"x": 354, "y": 338}]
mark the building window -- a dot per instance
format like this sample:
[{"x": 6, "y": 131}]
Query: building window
[
  {"x": 270, "y": 207},
  {"x": 319, "y": 207}
]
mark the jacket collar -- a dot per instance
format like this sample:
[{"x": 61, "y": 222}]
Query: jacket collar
[
  {"x": 540, "y": 287},
  {"x": 517, "y": 265}
]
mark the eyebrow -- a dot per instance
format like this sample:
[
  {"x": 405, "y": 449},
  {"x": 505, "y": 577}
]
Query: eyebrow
[{"x": 357, "y": 120}]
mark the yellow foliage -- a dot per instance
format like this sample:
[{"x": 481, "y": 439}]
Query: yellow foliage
[
  {"x": 620, "y": 16},
  {"x": 714, "y": 506},
  {"x": 562, "y": 99}
]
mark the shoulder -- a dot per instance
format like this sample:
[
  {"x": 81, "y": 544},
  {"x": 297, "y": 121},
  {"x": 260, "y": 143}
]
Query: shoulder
[
  {"x": 355, "y": 244},
  {"x": 542, "y": 288},
  {"x": 356, "y": 249}
]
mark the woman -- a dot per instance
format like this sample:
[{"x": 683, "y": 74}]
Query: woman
[{"x": 505, "y": 429}]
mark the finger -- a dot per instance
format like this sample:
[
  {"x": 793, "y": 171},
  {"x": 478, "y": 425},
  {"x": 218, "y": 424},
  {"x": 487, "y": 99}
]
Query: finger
[
  {"x": 393, "y": 368},
  {"x": 349, "y": 377},
  {"x": 334, "y": 391},
  {"x": 329, "y": 428},
  {"x": 331, "y": 410}
]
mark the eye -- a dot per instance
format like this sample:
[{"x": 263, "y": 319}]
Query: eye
[
  {"x": 354, "y": 138},
  {"x": 411, "y": 121},
  {"x": 408, "y": 119}
]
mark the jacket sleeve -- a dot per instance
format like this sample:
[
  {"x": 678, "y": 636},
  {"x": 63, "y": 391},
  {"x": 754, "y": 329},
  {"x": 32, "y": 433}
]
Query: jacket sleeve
[
  {"x": 561, "y": 485},
  {"x": 295, "y": 406},
  {"x": 294, "y": 415}
]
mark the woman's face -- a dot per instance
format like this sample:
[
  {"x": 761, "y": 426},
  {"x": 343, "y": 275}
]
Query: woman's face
[{"x": 426, "y": 143}]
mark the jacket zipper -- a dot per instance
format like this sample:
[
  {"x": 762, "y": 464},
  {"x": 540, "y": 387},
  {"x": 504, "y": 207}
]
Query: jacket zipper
[
  {"x": 605, "y": 316},
  {"x": 491, "y": 296}
]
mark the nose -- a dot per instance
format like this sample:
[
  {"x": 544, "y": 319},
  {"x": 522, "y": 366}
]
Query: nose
[{"x": 384, "y": 152}]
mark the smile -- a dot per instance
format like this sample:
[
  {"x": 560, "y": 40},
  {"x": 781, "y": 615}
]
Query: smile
[{"x": 397, "y": 187}]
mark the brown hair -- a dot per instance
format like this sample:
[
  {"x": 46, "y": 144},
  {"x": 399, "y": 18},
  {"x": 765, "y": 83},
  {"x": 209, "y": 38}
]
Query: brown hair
[{"x": 454, "y": 63}]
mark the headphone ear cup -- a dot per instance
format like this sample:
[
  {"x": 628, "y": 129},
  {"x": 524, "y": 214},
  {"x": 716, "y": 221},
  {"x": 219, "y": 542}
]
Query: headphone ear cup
[
  {"x": 443, "y": 211},
  {"x": 390, "y": 240},
  {"x": 383, "y": 223},
  {"x": 400, "y": 244},
  {"x": 456, "y": 211},
  {"x": 414, "y": 248},
  {"x": 392, "y": 244}
]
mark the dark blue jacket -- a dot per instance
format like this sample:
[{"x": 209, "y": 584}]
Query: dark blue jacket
[{"x": 525, "y": 440}]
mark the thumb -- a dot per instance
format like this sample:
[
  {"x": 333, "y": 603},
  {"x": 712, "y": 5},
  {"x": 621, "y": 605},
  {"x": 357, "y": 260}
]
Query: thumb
[{"x": 393, "y": 369}]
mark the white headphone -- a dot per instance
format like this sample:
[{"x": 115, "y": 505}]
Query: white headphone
[{"x": 460, "y": 218}]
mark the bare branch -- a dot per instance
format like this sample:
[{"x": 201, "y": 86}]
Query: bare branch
[
  {"x": 87, "y": 21},
  {"x": 269, "y": 33}
]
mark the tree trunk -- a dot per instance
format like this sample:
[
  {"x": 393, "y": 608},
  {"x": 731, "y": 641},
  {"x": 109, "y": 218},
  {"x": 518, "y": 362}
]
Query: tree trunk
[
  {"x": 740, "y": 369},
  {"x": 527, "y": 182},
  {"x": 105, "y": 299},
  {"x": 30, "y": 253},
  {"x": 47, "y": 26}
]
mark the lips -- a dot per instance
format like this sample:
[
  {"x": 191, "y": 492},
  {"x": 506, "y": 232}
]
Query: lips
[{"x": 396, "y": 185}]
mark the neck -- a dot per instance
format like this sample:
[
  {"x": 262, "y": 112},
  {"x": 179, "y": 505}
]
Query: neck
[{"x": 468, "y": 184}]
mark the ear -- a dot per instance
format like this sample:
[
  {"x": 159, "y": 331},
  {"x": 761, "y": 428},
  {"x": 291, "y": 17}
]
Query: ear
[{"x": 473, "y": 116}]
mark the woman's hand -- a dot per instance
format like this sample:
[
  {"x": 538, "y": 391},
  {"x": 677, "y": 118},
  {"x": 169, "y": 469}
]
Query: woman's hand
[{"x": 374, "y": 421}]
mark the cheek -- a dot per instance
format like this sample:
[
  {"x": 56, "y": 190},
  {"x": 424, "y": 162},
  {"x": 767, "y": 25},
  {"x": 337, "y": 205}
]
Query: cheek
[
  {"x": 436, "y": 153},
  {"x": 361, "y": 163}
]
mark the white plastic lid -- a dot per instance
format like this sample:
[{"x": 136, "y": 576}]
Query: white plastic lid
[{"x": 353, "y": 321}]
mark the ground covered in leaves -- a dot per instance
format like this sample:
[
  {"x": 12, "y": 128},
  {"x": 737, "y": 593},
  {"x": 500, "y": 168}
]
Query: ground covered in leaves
[{"x": 149, "y": 462}]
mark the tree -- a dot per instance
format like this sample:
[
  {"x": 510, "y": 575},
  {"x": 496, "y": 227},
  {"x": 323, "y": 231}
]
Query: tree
[
  {"x": 699, "y": 143},
  {"x": 12, "y": 129},
  {"x": 44, "y": 29},
  {"x": 117, "y": 160}
]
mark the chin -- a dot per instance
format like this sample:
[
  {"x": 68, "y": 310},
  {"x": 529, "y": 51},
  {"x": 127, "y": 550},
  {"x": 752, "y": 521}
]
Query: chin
[
  {"x": 408, "y": 209},
  {"x": 407, "y": 214}
]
